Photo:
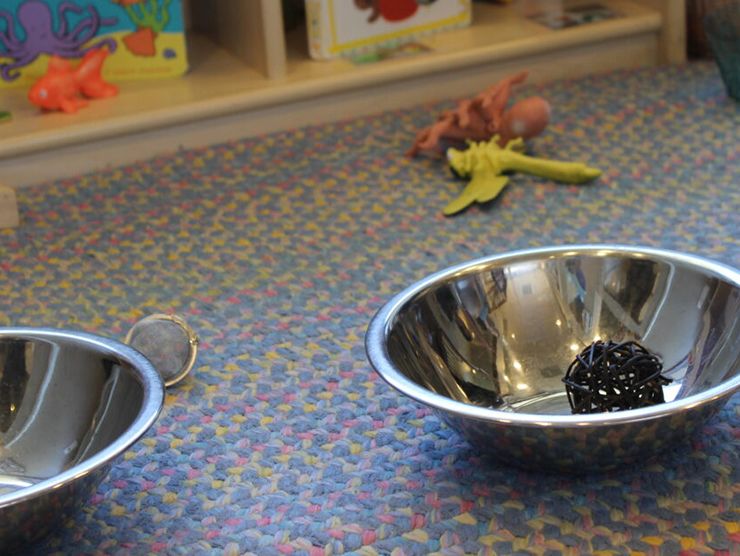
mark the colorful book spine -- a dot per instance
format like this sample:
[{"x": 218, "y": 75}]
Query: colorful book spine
[{"x": 146, "y": 38}]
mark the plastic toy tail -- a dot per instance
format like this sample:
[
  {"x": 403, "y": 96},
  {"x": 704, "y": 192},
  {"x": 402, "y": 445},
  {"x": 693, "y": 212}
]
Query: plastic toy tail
[
  {"x": 89, "y": 78},
  {"x": 485, "y": 162}
]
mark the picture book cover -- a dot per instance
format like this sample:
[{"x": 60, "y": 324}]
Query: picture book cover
[
  {"x": 352, "y": 27},
  {"x": 146, "y": 38}
]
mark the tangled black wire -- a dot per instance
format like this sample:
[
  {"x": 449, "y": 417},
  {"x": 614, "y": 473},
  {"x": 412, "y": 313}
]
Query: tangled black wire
[{"x": 610, "y": 376}]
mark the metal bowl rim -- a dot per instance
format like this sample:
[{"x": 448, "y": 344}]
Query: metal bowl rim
[
  {"x": 379, "y": 328},
  {"x": 153, "y": 399}
]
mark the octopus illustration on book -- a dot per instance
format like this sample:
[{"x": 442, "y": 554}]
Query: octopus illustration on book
[
  {"x": 484, "y": 116},
  {"x": 36, "y": 34}
]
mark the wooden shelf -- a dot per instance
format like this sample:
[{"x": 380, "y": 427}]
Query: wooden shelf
[
  {"x": 224, "y": 97},
  {"x": 498, "y": 33}
]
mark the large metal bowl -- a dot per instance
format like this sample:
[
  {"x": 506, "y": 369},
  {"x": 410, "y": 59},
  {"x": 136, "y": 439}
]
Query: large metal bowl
[
  {"x": 70, "y": 403},
  {"x": 487, "y": 344}
]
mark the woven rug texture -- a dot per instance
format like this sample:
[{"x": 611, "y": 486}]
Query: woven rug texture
[{"x": 279, "y": 249}]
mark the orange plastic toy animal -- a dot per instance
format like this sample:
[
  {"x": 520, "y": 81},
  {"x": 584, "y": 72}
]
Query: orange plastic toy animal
[
  {"x": 482, "y": 117},
  {"x": 61, "y": 88}
]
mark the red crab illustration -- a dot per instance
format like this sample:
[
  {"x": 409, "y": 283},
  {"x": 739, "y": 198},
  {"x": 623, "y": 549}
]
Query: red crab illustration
[{"x": 390, "y": 10}]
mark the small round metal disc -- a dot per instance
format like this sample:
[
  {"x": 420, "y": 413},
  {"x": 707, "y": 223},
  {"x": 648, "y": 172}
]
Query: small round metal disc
[{"x": 168, "y": 342}]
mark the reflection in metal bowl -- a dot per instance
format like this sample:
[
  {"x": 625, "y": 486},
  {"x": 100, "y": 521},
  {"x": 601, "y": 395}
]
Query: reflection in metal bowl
[
  {"x": 487, "y": 344},
  {"x": 70, "y": 403}
]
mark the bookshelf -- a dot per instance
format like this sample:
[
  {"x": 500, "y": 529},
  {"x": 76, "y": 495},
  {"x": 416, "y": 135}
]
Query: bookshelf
[{"x": 249, "y": 77}]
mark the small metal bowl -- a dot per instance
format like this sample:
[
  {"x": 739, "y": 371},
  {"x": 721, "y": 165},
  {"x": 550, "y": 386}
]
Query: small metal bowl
[
  {"x": 487, "y": 343},
  {"x": 70, "y": 404}
]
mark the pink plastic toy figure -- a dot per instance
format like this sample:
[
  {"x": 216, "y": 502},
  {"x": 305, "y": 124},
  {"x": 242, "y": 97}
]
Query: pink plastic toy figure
[
  {"x": 482, "y": 117},
  {"x": 61, "y": 87}
]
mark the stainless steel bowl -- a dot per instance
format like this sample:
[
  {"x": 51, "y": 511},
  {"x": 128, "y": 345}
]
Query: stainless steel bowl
[
  {"x": 70, "y": 403},
  {"x": 487, "y": 344}
]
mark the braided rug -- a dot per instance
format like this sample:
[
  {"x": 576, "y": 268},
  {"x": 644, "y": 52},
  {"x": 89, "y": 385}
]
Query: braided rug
[{"x": 279, "y": 249}]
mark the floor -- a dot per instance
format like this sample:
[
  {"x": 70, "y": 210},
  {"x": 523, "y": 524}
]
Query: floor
[{"x": 279, "y": 249}]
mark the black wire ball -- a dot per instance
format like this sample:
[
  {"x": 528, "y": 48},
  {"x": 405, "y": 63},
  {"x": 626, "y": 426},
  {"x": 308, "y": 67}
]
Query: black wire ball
[{"x": 611, "y": 376}]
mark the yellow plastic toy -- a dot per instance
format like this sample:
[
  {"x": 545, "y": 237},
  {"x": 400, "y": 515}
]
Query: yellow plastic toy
[{"x": 485, "y": 162}]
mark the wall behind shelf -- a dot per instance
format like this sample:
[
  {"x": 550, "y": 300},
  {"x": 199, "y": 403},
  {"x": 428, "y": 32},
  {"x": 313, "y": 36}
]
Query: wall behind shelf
[{"x": 252, "y": 30}]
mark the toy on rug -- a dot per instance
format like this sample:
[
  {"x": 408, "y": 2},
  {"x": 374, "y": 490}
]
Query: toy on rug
[
  {"x": 486, "y": 115},
  {"x": 61, "y": 87},
  {"x": 485, "y": 162}
]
